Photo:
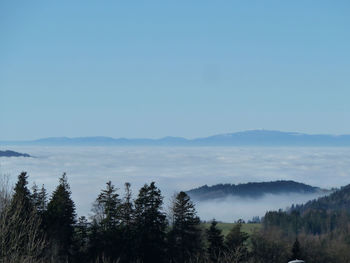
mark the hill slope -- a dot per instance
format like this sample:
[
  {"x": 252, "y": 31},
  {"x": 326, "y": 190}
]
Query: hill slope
[
  {"x": 336, "y": 201},
  {"x": 13, "y": 154},
  {"x": 321, "y": 216},
  {"x": 251, "y": 190}
]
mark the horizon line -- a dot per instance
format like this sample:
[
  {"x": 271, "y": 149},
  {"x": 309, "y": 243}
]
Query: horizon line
[{"x": 174, "y": 137}]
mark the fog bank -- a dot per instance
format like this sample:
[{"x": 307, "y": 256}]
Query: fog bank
[
  {"x": 232, "y": 208},
  {"x": 182, "y": 168}
]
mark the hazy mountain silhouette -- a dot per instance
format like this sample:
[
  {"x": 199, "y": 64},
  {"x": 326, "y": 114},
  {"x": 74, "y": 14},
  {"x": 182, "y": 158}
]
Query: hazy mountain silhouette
[{"x": 245, "y": 138}]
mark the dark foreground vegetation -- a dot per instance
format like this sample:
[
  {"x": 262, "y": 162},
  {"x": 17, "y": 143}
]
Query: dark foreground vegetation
[{"x": 35, "y": 228}]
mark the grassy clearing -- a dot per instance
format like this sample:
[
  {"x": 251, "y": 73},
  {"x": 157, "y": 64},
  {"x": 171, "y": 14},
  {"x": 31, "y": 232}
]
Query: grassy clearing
[{"x": 226, "y": 227}]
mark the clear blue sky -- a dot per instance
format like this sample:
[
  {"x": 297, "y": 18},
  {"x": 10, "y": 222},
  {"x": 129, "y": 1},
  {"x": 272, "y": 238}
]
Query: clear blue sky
[{"x": 180, "y": 68}]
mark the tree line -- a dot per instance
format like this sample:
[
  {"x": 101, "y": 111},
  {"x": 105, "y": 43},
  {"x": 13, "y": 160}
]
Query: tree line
[
  {"x": 37, "y": 228},
  {"x": 251, "y": 190}
]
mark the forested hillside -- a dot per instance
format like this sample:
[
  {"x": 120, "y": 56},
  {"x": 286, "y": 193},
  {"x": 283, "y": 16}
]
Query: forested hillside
[
  {"x": 339, "y": 200},
  {"x": 251, "y": 190},
  {"x": 320, "y": 216},
  {"x": 9, "y": 153},
  {"x": 322, "y": 226}
]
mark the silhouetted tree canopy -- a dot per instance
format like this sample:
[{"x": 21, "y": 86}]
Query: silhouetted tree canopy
[
  {"x": 60, "y": 220},
  {"x": 127, "y": 230}
]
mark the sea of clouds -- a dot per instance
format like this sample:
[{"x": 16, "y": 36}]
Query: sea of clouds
[{"x": 182, "y": 168}]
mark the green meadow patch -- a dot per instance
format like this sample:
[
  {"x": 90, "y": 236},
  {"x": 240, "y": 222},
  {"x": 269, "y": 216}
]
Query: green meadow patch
[{"x": 226, "y": 227}]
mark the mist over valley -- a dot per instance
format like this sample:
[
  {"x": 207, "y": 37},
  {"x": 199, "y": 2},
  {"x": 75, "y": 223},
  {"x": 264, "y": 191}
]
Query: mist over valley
[{"x": 183, "y": 168}]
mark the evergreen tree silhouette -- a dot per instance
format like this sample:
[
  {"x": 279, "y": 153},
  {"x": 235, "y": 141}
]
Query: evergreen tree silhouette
[
  {"x": 185, "y": 237},
  {"x": 60, "y": 221},
  {"x": 21, "y": 235},
  {"x": 127, "y": 231},
  {"x": 215, "y": 241},
  {"x": 107, "y": 223},
  {"x": 109, "y": 203},
  {"x": 150, "y": 225},
  {"x": 22, "y": 196},
  {"x": 236, "y": 241}
]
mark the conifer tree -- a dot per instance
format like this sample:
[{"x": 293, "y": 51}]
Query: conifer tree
[
  {"x": 127, "y": 207},
  {"x": 215, "y": 242},
  {"x": 150, "y": 225},
  {"x": 22, "y": 195},
  {"x": 185, "y": 236},
  {"x": 39, "y": 199},
  {"x": 236, "y": 241},
  {"x": 106, "y": 225},
  {"x": 21, "y": 236},
  {"x": 108, "y": 204},
  {"x": 60, "y": 221},
  {"x": 127, "y": 220}
]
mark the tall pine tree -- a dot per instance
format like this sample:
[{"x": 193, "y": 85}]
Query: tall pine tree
[
  {"x": 60, "y": 221},
  {"x": 22, "y": 196},
  {"x": 108, "y": 204},
  {"x": 127, "y": 207},
  {"x": 150, "y": 225},
  {"x": 186, "y": 235},
  {"x": 215, "y": 242},
  {"x": 106, "y": 225},
  {"x": 127, "y": 230},
  {"x": 235, "y": 242},
  {"x": 21, "y": 236}
]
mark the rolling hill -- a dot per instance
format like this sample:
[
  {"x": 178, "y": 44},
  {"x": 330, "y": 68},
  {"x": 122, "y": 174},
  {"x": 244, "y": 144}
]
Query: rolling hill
[
  {"x": 9, "y": 153},
  {"x": 251, "y": 190}
]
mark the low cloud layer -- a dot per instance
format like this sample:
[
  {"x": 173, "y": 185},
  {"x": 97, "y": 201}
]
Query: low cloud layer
[
  {"x": 231, "y": 209},
  {"x": 175, "y": 168}
]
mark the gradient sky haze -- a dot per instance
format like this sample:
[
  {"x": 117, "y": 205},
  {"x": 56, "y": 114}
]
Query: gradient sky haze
[{"x": 173, "y": 68}]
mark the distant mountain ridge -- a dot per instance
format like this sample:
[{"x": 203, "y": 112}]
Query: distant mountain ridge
[
  {"x": 244, "y": 138},
  {"x": 251, "y": 190}
]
